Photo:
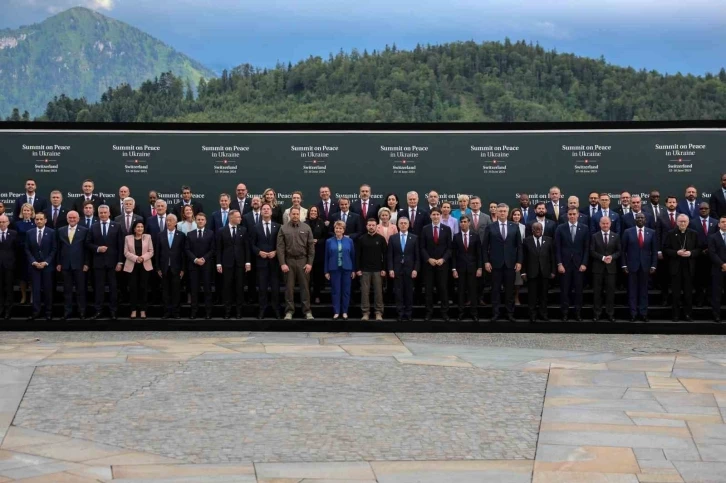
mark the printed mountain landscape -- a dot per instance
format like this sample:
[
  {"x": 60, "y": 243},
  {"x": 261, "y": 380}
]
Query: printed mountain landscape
[
  {"x": 81, "y": 53},
  {"x": 82, "y": 66}
]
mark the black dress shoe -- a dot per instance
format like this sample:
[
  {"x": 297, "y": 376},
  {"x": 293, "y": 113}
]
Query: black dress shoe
[
  {"x": 165, "y": 316},
  {"x": 645, "y": 318},
  {"x": 114, "y": 316},
  {"x": 226, "y": 316},
  {"x": 66, "y": 316},
  {"x": 565, "y": 318},
  {"x": 475, "y": 318},
  {"x": 7, "y": 315},
  {"x": 611, "y": 319},
  {"x": 399, "y": 319},
  {"x": 532, "y": 319},
  {"x": 95, "y": 316},
  {"x": 277, "y": 315},
  {"x": 510, "y": 318},
  {"x": 460, "y": 318},
  {"x": 409, "y": 319},
  {"x": 48, "y": 317},
  {"x": 445, "y": 318},
  {"x": 689, "y": 318},
  {"x": 427, "y": 317},
  {"x": 632, "y": 318},
  {"x": 545, "y": 318},
  {"x": 33, "y": 317},
  {"x": 578, "y": 318},
  {"x": 261, "y": 315},
  {"x": 208, "y": 316}
]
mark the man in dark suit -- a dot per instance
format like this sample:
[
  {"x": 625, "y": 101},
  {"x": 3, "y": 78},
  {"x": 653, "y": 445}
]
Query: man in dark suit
[
  {"x": 664, "y": 224},
  {"x": 117, "y": 206},
  {"x": 548, "y": 226},
  {"x": 604, "y": 255},
  {"x": 186, "y": 194},
  {"x": 593, "y": 206},
  {"x": 40, "y": 249},
  {"x": 157, "y": 223},
  {"x": 538, "y": 268},
  {"x": 55, "y": 213},
  {"x": 264, "y": 251},
  {"x": 682, "y": 249},
  {"x": 220, "y": 218},
  {"x": 466, "y": 266},
  {"x": 628, "y": 220},
  {"x": 582, "y": 218},
  {"x": 200, "y": 249},
  {"x": 233, "y": 260},
  {"x": 640, "y": 259},
  {"x": 73, "y": 263},
  {"x": 689, "y": 205},
  {"x": 88, "y": 219},
  {"x": 502, "y": 256},
  {"x": 88, "y": 195},
  {"x": 128, "y": 217},
  {"x": 624, "y": 206},
  {"x": 148, "y": 210},
  {"x": 527, "y": 209},
  {"x": 717, "y": 253},
  {"x": 435, "y": 243},
  {"x": 353, "y": 223},
  {"x": 653, "y": 206},
  {"x": 326, "y": 206},
  {"x": 704, "y": 226},
  {"x": 404, "y": 263},
  {"x": 8, "y": 249},
  {"x": 418, "y": 220},
  {"x": 106, "y": 243},
  {"x": 364, "y": 206},
  {"x": 254, "y": 216},
  {"x": 717, "y": 201},
  {"x": 556, "y": 206},
  {"x": 170, "y": 258},
  {"x": 31, "y": 196},
  {"x": 603, "y": 212},
  {"x": 242, "y": 201},
  {"x": 572, "y": 249}
]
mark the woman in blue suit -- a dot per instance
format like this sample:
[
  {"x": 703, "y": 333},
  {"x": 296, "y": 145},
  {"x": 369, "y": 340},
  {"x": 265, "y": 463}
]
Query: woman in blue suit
[{"x": 339, "y": 269}]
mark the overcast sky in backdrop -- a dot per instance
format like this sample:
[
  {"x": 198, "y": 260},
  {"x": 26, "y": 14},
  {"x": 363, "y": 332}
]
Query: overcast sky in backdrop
[{"x": 665, "y": 35}]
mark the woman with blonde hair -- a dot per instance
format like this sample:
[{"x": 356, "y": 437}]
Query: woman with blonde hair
[
  {"x": 269, "y": 196},
  {"x": 25, "y": 223},
  {"x": 463, "y": 208},
  {"x": 385, "y": 228},
  {"x": 340, "y": 268},
  {"x": 296, "y": 203}
]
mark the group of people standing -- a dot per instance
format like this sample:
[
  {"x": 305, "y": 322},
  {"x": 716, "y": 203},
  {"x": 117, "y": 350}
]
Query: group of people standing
[{"x": 394, "y": 250}]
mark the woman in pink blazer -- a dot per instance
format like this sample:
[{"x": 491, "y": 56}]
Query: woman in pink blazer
[{"x": 138, "y": 250}]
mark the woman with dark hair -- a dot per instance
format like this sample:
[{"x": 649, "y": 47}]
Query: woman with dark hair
[
  {"x": 270, "y": 196},
  {"x": 320, "y": 234},
  {"x": 391, "y": 202},
  {"x": 24, "y": 223},
  {"x": 138, "y": 251},
  {"x": 515, "y": 216}
]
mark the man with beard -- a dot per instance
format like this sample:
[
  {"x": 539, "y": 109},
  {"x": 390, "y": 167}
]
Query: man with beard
[
  {"x": 371, "y": 257},
  {"x": 640, "y": 258},
  {"x": 593, "y": 205},
  {"x": 664, "y": 224},
  {"x": 681, "y": 248},
  {"x": 149, "y": 210},
  {"x": 689, "y": 205},
  {"x": 548, "y": 226}
]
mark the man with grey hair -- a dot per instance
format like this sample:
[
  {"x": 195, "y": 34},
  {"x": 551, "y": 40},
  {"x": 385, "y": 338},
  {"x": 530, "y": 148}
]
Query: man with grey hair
[
  {"x": 502, "y": 254},
  {"x": 604, "y": 255},
  {"x": 417, "y": 217},
  {"x": 105, "y": 241},
  {"x": 157, "y": 224},
  {"x": 681, "y": 249},
  {"x": 128, "y": 217},
  {"x": 55, "y": 213},
  {"x": 117, "y": 207},
  {"x": 636, "y": 207},
  {"x": 169, "y": 261},
  {"x": 8, "y": 251}
]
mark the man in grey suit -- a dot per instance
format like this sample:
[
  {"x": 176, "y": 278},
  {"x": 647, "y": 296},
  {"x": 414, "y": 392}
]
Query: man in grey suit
[
  {"x": 127, "y": 219},
  {"x": 479, "y": 223}
]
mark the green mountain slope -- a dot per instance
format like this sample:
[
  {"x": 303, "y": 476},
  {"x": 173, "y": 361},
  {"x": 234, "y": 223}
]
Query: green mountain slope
[
  {"x": 461, "y": 81},
  {"x": 81, "y": 53}
]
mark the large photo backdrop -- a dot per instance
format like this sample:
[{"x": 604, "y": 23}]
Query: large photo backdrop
[{"x": 494, "y": 165}]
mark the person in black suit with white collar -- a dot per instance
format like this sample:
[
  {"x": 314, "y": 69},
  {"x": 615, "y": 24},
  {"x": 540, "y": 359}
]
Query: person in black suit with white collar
[
  {"x": 233, "y": 260},
  {"x": 8, "y": 249},
  {"x": 404, "y": 263},
  {"x": 242, "y": 202},
  {"x": 200, "y": 249},
  {"x": 88, "y": 195},
  {"x": 717, "y": 253},
  {"x": 264, "y": 251},
  {"x": 572, "y": 246},
  {"x": 352, "y": 221},
  {"x": 502, "y": 256},
  {"x": 73, "y": 262},
  {"x": 170, "y": 258},
  {"x": 435, "y": 243},
  {"x": 682, "y": 249},
  {"x": 55, "y": 213},
  {"x": 538, "y": 268},
  {"x": 30, "y": 196},
  {"x": 604, "y": 255},
  {"x": 466, "y": 266},
  {"x": 106, "y": 244},
  {"x": 364, "y": 206}
]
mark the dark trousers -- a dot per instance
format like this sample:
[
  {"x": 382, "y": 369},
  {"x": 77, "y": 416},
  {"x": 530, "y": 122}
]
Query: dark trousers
[
  {"x": 171, "y": 290},
  {"x": 138, "y": 288},
  {"x": 201, "y": 277},
  {"x": 101, "y": 276},
  {"x": 77, "y": 277},
  {"x": 42, "y": 281},
  {"x": 702, "y": 281},
  {"x": 717, "y": 279},
  {"x": 437, "y": 276},
  {"x": 6, "y": 288},
  {"x": 599, "y": 281},
  {"x": 269, "y": 278},
  {"x": 664, "y": 281},
  {"x": 233, "y": 279},
  {"x": 503, "y": 276},
  {"x": 317, "y": 278},
  {"x": 571, "y": 287},
  {"x": 403, "y": 288},
  {"x": 638, "y": 292},
  {"x": 682, "y": 281},
  {"x": 467, "y": 288},
  {"x": 251, "y": 278},
  {"x": 537, "y": 295}
]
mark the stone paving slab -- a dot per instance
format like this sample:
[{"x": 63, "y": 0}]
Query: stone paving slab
[{"x": 453, "y": 471}]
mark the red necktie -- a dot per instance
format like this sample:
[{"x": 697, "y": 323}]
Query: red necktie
[
  {"x": 466, "y": 243},
  {"x": 326, "y": 210},
  {"x": 673, "y": 221},
  {"x": 413, "y": 213},
  {"x": 365, "y": 210},
  {"x": 641, "y": 242},
  {"x": 436, "y": 235},
  {"x": 705, "y": 227},
  {"x": 153, "y": 212},
  {"x": 476, "y": 222}
]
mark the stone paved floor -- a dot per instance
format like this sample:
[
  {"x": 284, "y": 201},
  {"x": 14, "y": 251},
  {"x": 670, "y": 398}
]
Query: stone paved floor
[{"x": 332, "y": 407}]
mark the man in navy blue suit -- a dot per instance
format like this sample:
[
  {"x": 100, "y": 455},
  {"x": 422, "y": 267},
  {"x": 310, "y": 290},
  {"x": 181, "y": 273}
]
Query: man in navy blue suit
[
  {"x": 548, "y": 226},
  {"x": 220, "y": 218},
  {"x": 55, "y": 213},
  {"x": 8, "y": 255},
  {"x": 106, "y": 243},
  {"x": 264, "y": 251},
  {"x": 435, "y": 253},
  {"x": 593, "y": 205},
  {"x": 326, "y": 206},
  {"x": 717, "y": 201},
  {"x": 73, "y": 261},
  {"x": 365, "y": 207},
  {"x": 704, "y": 226},
  {"x": 640, "y": 259},
  {"x": 157, "y": 224},
  {"x": 404, "y": 263},
  {"x": 30, "y": 196},
  {"x": 582, "y": 218},
  {"x": 417, "y": 218},
  {"x": 353, "y": 223},
  {"x": 572, "y": 247},
  {"x": 200, "y": 249},
  {"x": 603, "y": 212},
  {"x": 169, "y": 261},
  {"x": 502, "y": 256},
  {"x": 628, "y": 221},
  {"x": 556, "y": 206},
  {"x": 40, "y": 249},
  {"x": 717, "y": 253},
  {"x": 689, "y": 205}
]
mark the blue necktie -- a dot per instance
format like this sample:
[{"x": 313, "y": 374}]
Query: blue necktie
[
  {"x": 403, "y": 243},
  {"x": 224, "y": 218},
  {"x": 104, "y": 229},
  {"x": 171, "y": 238}
]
